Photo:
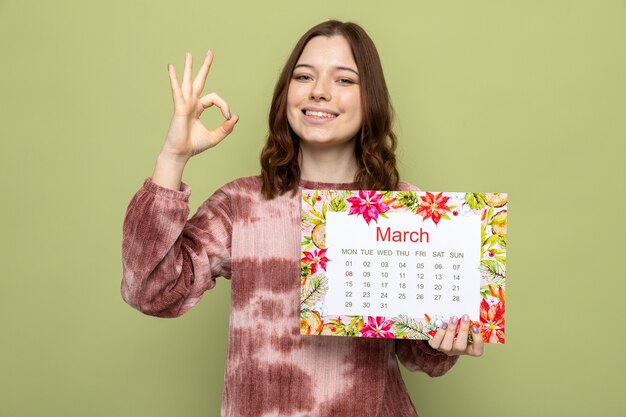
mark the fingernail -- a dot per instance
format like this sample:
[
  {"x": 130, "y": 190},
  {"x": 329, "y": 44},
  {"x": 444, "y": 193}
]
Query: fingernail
[
  {"x": 228, "y": 115},
  {"x": 453, "y": 320},
  {"x": 465, "y": 318},
  {"x": 444, "y": 326},
  {"x": 474, "y": 329}
]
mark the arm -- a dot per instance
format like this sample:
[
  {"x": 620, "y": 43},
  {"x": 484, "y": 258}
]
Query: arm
[
  {"x": 168, "y": 261},
  {"x": 417, "y": 355},
  {"x": 437, "y": 355}
]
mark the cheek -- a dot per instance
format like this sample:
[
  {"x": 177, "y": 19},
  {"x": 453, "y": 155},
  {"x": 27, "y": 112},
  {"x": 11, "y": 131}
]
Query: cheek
[
  {"x": 353, "y": 102},
  {"x": 292, "y": 104},
  {"x": 293, "y": 99},
  {"x": 357, "y": 108},
  {"x": 294, "y": 92}
]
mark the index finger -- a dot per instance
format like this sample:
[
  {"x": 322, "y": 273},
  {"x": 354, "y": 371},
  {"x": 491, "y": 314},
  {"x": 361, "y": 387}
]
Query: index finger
[{"x": 460, "y": 344}]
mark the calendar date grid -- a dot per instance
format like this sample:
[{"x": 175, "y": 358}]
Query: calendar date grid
[{"x": 389, "y": 282}]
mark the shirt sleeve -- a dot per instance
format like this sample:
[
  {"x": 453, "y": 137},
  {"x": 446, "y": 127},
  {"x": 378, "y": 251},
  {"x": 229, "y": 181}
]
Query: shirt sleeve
[
  {"x": 417, "y": 355},
  {"x": 169, "y": 261}
]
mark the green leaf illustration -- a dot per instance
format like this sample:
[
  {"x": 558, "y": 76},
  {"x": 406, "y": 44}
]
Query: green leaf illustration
[
  {"x": 498, "y": 220},
  {"x": 306, "y": 219},
  {"x": 489, "y": 213},
  {"x": 305, "y": 269},
  {"x": 476, "y": 201},
  {"x": 492, "y": 271},
  {"x": 338, "y": 204},
  {"x": 491, "y": 241},
  {"x": 355, "y": 325},
  {"x": 409, "y": 200},
  {"x": 409, "y": 327},
  {"x": 313, "y": 290},
  {"x": 483, "y": 234},
  {"x": 317, "y": 214}
]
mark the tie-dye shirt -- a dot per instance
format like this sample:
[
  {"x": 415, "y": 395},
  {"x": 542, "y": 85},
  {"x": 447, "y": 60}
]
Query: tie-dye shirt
[{"x": 170, "y": 261}]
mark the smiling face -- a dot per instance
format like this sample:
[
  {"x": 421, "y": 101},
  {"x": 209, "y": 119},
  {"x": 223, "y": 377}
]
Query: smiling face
[{"x": 324, "y": 96}]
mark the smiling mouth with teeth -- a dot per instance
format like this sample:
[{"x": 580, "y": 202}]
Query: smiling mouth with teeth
[{"x": 320, "y": 114}]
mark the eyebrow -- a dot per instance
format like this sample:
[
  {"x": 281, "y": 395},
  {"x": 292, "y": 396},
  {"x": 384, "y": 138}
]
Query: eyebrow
[{"x": 338, "y": 68}]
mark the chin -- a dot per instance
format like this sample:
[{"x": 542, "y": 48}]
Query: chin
[{"x": 326, "y": 143}]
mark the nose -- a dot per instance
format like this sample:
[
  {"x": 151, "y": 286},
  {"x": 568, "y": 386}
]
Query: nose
[{"x": 320, "y": 90}]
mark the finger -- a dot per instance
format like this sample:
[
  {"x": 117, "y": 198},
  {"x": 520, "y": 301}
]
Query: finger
[
  {"x": 177, "y": 95},
  {"x": 448, "y": 338},
  {"x": 460, "y": 344},
  {"x": 214, "y": 99},
  {"x": 200, "y": 80},
  {"x": 476, "y": 348},
  {"x": 186, "y": 85},
  {"x": 224, "y": 130},
  {"x": 435, "y": 342}
]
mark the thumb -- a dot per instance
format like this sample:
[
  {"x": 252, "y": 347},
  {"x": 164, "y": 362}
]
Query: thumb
[
  {"x": 223, "y": 130},
  {"x": 229, "y": 124}
]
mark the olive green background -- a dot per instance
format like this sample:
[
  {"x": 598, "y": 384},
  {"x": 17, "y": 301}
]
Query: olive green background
[{"x": 524, "y": 97}]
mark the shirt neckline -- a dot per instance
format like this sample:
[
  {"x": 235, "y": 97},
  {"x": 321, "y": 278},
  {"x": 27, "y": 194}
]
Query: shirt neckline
[{"x": 320, "y": 185}]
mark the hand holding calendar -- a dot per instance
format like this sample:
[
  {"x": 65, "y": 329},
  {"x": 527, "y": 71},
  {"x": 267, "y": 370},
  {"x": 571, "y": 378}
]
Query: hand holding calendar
[{"x": 399, "y": 264}]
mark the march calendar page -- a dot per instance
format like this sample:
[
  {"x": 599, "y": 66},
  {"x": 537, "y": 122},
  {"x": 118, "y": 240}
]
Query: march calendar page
[{"x": 397, "y": 264}]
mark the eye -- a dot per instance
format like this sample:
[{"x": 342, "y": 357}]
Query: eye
[
  {"x": 345, "y": 81},
  {"x": 302, "y": 77}
]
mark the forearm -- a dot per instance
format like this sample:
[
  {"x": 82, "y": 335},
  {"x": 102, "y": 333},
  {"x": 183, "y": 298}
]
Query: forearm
[
  {"x": 168, "y": 171},
  {"x": 417, "y": 355},
  {"x": 170, "y": 261},
  {"x": 153, "y": 281}
]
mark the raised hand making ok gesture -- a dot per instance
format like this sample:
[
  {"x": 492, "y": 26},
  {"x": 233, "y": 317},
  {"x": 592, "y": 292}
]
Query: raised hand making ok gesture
[{"x": 187, "y": 136}]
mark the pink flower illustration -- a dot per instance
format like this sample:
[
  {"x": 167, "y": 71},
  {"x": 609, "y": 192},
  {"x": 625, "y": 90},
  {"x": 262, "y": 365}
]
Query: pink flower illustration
[
  {"x": 377, "y": 327},
  {"x": 317, "y": 259},
  {"x": 433, "y": 206},
  {"x": 368, "y": 204}
]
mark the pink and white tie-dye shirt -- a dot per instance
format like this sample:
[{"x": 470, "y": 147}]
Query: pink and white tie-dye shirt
[{"x": 170, "y": 261}]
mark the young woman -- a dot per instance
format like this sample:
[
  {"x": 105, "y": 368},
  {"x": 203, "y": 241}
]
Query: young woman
[{"x": 329, "y": 127}]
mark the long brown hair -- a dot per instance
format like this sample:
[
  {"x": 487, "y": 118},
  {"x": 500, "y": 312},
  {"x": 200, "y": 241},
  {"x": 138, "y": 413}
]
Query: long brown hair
[{"x": 375, "y": 144}]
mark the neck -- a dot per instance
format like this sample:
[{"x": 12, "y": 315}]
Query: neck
[{"x": 337, "y": 164}]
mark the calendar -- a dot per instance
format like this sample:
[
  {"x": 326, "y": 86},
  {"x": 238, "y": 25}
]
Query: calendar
[{"x": 397, "y": 264}]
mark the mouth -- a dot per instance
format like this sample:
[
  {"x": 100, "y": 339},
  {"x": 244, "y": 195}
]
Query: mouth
[{"x": 319, "y": 114}]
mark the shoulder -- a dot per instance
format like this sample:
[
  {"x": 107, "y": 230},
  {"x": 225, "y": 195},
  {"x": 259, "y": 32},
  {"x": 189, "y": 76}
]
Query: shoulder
[
  {"x": 233, "y": 192},
  {"x": 245, "y": 185},
  {"x": 405, "y": 186}
]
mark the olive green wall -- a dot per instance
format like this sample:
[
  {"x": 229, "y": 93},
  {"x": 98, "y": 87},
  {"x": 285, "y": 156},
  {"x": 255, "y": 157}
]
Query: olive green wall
[{"x": 525, "y": 97}]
